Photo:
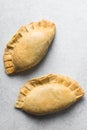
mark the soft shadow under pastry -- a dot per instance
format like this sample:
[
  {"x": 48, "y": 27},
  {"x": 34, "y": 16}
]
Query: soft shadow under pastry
[
  {"x": 28, "y": 46},
  {"x": 48, "y": 94}
]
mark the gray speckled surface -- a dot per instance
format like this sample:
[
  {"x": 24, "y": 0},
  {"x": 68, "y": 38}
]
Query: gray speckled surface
[{"x": 67, "y": 55}]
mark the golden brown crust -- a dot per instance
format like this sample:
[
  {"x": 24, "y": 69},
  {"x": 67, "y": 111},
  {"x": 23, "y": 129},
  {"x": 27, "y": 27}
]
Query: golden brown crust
[
  {"x": 9, "y": 66},
  {"x": 22, "y": 51},
  {"x": 8, "y": 60},
  {"x": 66, "y": 85}
]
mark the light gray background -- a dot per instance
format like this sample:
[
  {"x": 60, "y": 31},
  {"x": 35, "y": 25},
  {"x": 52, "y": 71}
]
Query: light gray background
[{"x": 67, "y": 55}]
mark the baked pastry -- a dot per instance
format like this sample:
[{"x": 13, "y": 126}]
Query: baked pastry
[
  {"x": 28, "y": 46},
  {"x": 48, "y": 94}
]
